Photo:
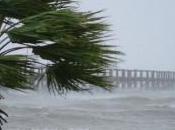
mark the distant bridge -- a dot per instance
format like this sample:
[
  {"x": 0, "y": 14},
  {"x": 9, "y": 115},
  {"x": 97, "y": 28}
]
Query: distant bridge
[{"x": 125, "y": 78}]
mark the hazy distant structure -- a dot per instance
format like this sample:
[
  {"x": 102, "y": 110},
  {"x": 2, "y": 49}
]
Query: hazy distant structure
[{"x": 124, "y": 78}]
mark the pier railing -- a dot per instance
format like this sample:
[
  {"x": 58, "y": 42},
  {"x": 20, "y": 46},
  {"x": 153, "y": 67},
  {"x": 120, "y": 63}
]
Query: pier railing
[{"x": 140, "y": 78}]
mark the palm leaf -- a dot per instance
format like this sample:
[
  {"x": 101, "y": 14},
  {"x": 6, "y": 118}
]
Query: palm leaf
[
  {"x": 2, "y": 119},
  {"x": 70, "y": 46},
  {"x": 66, "y": 35},
  {"x": 57, "y": 26},
  {"x": 23, "y": 8},
  {"x": 16, "y": 72},
  {"x": 67, "y": 76}
]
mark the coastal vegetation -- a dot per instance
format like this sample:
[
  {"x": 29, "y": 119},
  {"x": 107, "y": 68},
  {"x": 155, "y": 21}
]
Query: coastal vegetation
[{"x": 54, "y": 36}]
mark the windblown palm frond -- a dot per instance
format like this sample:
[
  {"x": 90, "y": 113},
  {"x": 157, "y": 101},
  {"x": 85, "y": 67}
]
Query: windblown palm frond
[
  {"x": 23, "y": 8},
  {"x": 67, "y": 35},
  {"x": 16, "y": 72},
  {"x": 2, "y": 119},
  {"x": 71, "y": 43},
  {"x": 75, "y": 78},
  {"x": 57, "y": 26}
]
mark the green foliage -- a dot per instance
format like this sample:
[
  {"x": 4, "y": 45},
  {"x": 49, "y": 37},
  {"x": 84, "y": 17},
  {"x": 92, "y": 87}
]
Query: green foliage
[
  {"x": 76, "y": 38},
  {"x": 58, "y": 26},
  {"x": 23, "y": 8},
  {"x": 68, "y": 39},
  {"x": 16, "y": 72},
  {"x": 72, "y": 42}
]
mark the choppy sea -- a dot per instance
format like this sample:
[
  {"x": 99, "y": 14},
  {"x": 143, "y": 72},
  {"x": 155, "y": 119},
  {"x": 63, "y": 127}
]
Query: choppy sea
[{"x": 121, "y": 109}]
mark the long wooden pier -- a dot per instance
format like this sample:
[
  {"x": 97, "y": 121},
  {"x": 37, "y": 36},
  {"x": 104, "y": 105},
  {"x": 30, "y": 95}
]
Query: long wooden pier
[{"x": 124, "y": 78}]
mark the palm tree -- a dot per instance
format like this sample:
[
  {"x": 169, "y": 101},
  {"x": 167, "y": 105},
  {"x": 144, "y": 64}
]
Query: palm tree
[{"x": 69, "y": 45}]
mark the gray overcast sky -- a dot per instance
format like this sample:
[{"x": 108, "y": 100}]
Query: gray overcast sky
[{"x": 144, "y": 30}]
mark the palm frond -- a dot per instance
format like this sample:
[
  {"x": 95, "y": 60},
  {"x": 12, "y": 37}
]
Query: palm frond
[
  {"x": 57, "y": 26},
  {"x": 76, "y": 37},
  {"x": 23, "y": 8},
  {"x": 77, "y": 40},
  {"x": 67, "y": 76},
  {"x": 2, "y": 119},
  {"x": 16, "y": 72},
  {"x": 71, "y": 46}
]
